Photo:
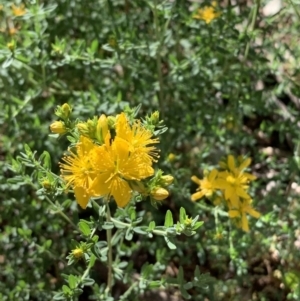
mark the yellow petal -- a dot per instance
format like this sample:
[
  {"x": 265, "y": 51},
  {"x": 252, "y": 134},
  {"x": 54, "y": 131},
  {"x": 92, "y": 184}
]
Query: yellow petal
[
  {"x": 245, "y": 164},
  {"x": 242, "y": 193},
  {"x": 121, "y": 191},
  {"x": 249, "y": 176},
  {"x": 82, "y": 196},
  {"x": 196, "y": 180},
  {"x": 245, "y": 225},
  {"x": 221, "y": 184},
  {"x": 233, "y": 213},
  {"x": 212, "y": 175},
  {"x": 198, "y": 195},
  {"x": 234, "y": 201},
  {"x": 100, "y": 186},
  {"x": 252, "y": 212}
]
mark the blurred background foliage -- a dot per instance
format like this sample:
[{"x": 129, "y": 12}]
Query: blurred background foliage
[{"x": 230, "y": 86}]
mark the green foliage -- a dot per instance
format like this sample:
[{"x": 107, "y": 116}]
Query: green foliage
[{"x": 230, "y": 86}]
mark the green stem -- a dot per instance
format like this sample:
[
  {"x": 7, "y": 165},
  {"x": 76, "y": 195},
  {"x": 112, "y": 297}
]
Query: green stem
[
  {"x": 127, "y": 293},
  {"x": 157, "y": 232},
  {"x": 209, "y": 209},
  {"x": 252, "y": 26},
  {"x": 61, "y": 213},
  {"x": 295, "y": 9},
  {"x": 109, "y": 257},
  {"x": 158, "y": 58}
]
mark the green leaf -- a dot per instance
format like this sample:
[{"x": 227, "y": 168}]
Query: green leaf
[
  {"x": 169, "y": 219},
  {"x": 188, "y": 285},
  {"x": 151, "y": 226},
  {"x": 59, "y": 296},
  {"x": 7, "y": 62},
  {"x": 139, "y": 230},
  {"x": 72, "y": 281},
  {"x": 147, "y": 270},
  {"x": 84, "y": 227},
  {"x": 88, "y": 281},
  {"x": 94, "y": 45},
  {"x": 92, "y": 261},
  {"x": 182, "y": 215},
  {"x": 27, "y": 150},
  {"x": 132, "y": 213},
  {"x": 108, "y": 225},
  {"x": 129, "y": 234},
  {"x": 170, "y": 244},
  {"x": 198, "y": 225},
  {"x": 154, "y": 284},
  {"x": 66, "y": 290},
  {"x": 48, "y": 243},
  {"x": 46, "y": 160}
]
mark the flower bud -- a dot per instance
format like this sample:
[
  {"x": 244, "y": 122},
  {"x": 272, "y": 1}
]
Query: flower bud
[
  {"x": 77, "y": 253},
  {"x": 66, "y": 109},
  {"x": 167, "y": 180},
  {"x": 171, "y": 157},
  {"x": 11, "y": 46},
  {"x": 154, "y": 117},
  {"x": 58, "y": 127},
  {"x": 82, "y": 128},
  {"x": 46, "y": 184},
  {"x": 102, "y": 128},
  {"x": 188, "y": 222},
  {"x": 159, "y": 194},
  {"x": 111, "y": 121},
  {"x": 18, "y": 11}
]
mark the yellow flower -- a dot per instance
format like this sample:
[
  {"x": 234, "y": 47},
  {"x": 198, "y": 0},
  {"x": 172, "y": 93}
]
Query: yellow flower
[
  {"x": 207, "y": 186},
  {"x": 115, "y": 164},
  {"x": 240, "y": 213},
  {"x": 137, "y": 137},
  {"x": 208, "y": 13},
  {"x": 58, "y": 127},
  {"x": 78, "y": 172},
  {"x": 234, "y": 181},
  {"x": 18, "y": 10},
  {"x": 230, "y": 165}
]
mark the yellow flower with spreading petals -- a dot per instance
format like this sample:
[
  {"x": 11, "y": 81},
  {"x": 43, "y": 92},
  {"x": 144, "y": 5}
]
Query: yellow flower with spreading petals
[
  {"x": 240, "y": 213},
  {"x": 234, "y": 181},
  {"x": 207, "y": 186},
  {"x": 78, "y": 171},
  {"x": 18, "y": 11},
  {"x": 208, "y": 13},
  {"x": 230, "y": 165},
  {"x": 114, "y": 164},
  {"x": 137, "y": 137}
]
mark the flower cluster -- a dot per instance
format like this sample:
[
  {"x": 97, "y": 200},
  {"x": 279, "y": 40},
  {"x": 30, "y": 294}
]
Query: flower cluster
[
  {"x": 112, "y": 156},
  {"x": 208, "y": 13},
  {"x": 229, "y": 185}
]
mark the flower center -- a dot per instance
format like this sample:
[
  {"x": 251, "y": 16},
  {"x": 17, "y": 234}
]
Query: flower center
[{"x": 230, "y": 179}]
